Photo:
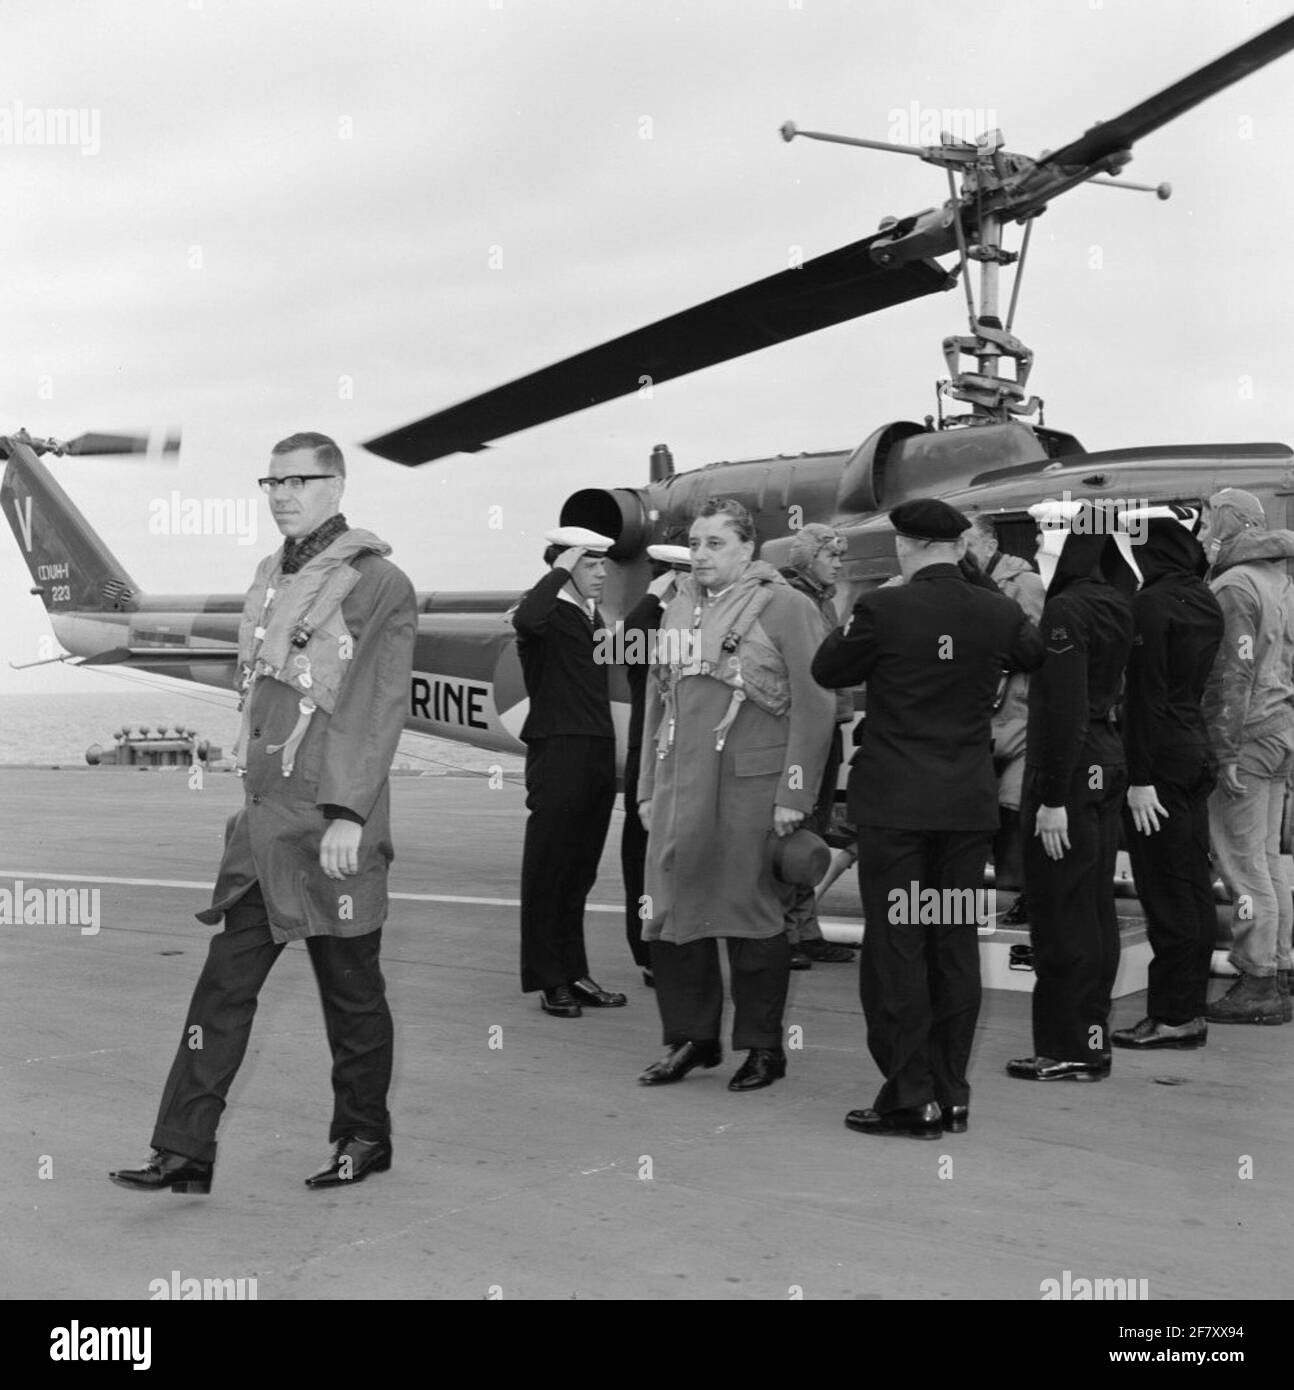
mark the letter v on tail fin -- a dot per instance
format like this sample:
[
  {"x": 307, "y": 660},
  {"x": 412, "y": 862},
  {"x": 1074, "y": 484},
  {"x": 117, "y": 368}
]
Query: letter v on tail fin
[{"x": 71, "y": 568}]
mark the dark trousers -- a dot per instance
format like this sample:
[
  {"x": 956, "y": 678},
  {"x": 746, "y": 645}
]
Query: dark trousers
[
  {"x": 1073, "y": 923},
  {"x": 919, "y": 984},
  {"x": 1008, "y": 851},
  {"x": 689, "y": 990},
  {"x": 633, "y": 861},
  {"x": 802, "y": 915},
  {"x": 219, "y": 1025},
  {"x": 570, "y": 789},
  {"x": 1175, "y": 886}
]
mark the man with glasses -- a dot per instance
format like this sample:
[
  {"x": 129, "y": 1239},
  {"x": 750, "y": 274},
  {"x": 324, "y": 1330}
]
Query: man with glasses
[{"x": 324, "y": 659}]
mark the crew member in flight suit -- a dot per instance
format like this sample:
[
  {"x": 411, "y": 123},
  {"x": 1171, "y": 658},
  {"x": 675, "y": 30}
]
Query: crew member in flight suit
[
  {"x": 325, "y": 654},
  {"x": 570, "y": 769},
  {"x": 923, "y": 794},
  {"x": 1075, "y": 777}
]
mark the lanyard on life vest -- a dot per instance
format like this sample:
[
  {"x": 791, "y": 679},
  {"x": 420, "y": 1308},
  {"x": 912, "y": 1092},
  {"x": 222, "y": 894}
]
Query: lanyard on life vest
[
  {"x": 306, "y": 707},
  {"x": 729, "y": 672}
]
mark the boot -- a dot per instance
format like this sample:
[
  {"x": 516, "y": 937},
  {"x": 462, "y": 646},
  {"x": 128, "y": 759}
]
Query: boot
[
  {"x": 1283, "y": 990},
  {"x": 1252, "y": 999}
]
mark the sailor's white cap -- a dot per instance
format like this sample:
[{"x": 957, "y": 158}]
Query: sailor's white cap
[
  {"x": 579, "y": 535},
  {"x": 670, "y": 554}
]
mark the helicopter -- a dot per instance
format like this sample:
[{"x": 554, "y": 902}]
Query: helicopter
[{"x": 998, "y": 457}]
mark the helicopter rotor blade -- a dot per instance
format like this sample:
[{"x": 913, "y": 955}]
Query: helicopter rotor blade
[
  {"x": 1111, "y": 137},
  {"x": 843, "y": 284},
  {"x": 99, "y": 443}
]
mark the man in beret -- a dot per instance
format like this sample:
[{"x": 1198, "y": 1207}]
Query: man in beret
[
  {"x": 923, "y": 793},
  {"x": 570, "y": 769}
]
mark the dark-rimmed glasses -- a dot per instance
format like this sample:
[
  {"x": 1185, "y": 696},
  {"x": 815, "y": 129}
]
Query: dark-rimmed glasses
[{"x": 294, "y": 482}]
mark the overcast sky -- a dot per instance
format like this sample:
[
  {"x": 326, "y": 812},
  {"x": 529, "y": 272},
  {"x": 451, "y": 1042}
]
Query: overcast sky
[{"x": 343, "y": 216}]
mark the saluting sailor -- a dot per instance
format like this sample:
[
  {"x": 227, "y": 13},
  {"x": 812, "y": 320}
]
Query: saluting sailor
[
  {"x": 570, "y": 769},
  {"x": 325, "y": 655}
]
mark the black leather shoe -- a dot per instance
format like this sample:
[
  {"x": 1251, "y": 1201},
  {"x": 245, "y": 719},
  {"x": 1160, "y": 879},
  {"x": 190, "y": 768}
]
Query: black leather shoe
[
  {"x": 1020, "y": 957},
  {"x": 1017, "y": 915},
  {"x": 1153, "y": 1032},
  {"x": 763, "y": 1066},
  {"x": 911, "y": 1122},
  {"x": 827, "y": 951},
  {"x": 1049, "y": 1069},
  {"x": 559, "y": 1002},
  {"x": 956, "y": 1118},
  {"x": 680, "y": 1060},
  {"x": 352, "y": 1161},
  {"x": 167, "y": 1170},
  {"x": 799, "y": 961},
  {"x": 649, "y": 979},
  {"x": 591, "y": 993}
]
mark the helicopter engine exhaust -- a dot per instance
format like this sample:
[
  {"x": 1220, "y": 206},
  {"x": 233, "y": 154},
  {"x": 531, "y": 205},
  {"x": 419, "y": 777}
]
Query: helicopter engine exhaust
[{"x": 618, "y": 512}]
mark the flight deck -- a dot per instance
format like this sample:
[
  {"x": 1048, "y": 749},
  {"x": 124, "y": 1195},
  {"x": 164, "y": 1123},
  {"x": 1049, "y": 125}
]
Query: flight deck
[{"x": 528, "y": 1162}]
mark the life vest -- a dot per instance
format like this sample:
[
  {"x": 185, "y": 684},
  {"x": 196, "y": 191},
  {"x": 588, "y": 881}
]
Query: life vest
[
  {"x": 717, "y": 651},
  {"x": 292, "y": 631}
]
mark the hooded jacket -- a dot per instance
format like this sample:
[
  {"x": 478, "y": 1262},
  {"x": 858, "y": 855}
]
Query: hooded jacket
[
  {"x": 1087, "y": 632},
  {"x": 1178, "y": 626},
  {"x": 1018, "y": 580},
  {"x": 821, "y": 595},
  {"x": 1250, "y": 693}
]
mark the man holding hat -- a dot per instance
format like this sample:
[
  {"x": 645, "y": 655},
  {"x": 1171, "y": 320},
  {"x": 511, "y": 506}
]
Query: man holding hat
[
  {"x": 570, "y": 769},
  {"x": 923, "y": 793}
]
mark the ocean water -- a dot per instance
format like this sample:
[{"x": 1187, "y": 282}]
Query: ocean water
[{"x": 57, "y": 729}]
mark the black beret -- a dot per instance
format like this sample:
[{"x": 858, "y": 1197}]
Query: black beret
[{"x": 928, "y": 519}]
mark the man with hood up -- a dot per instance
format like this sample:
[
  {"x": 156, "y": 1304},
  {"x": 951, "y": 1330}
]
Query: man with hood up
[
  {"x": 815, "y": 560},
  {"x": 1171, "y": 772},
  {"x": 1074, "y": 782},
  {"x": 1249, "y": 710}
]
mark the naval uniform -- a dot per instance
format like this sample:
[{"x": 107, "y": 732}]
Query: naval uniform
[
  {"x": 640, "y": 623},
  {"x": 1075, "y": 759},
  {"x": 1178, "y": 631},
  {"x": 923, "y": 793},
  {"x": 570, "y": 778}
]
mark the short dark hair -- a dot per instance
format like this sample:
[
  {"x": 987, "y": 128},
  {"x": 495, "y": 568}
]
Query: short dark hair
[
  {"x": 327, "y": 454},
  {"x": 551, "y": 553},
  {"x": 732, "y": 512}
]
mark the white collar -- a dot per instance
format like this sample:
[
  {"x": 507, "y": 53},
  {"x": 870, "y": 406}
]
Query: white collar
[{"x": 585, "y": 605}]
